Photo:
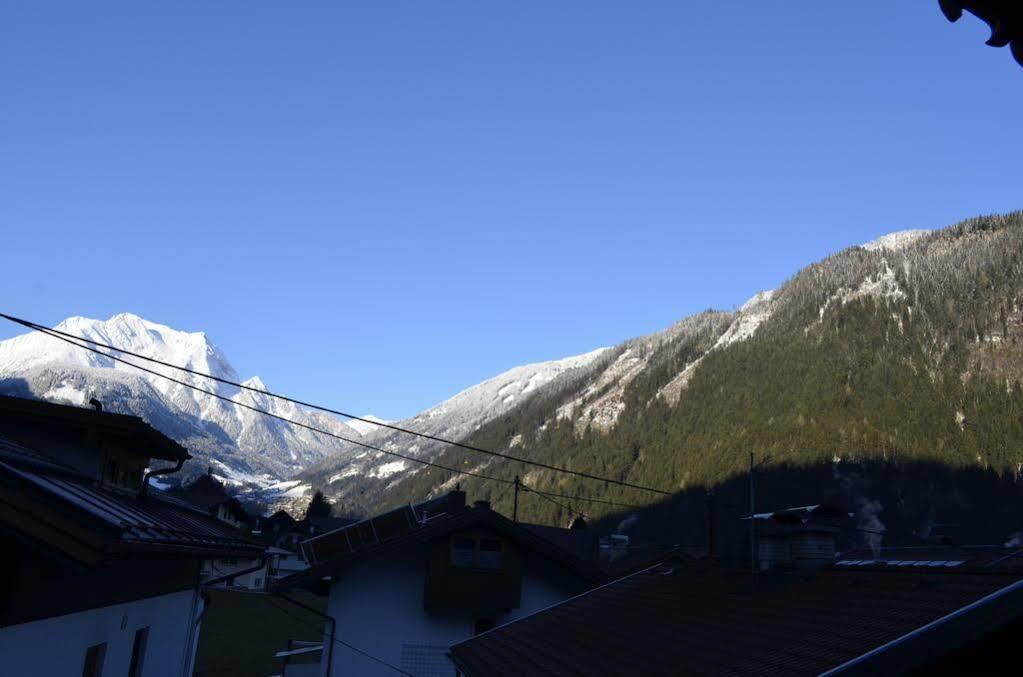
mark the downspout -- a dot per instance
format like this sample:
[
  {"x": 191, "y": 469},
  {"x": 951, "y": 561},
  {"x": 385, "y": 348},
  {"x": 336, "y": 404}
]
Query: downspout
[
  {"x": 333, "y": 627},
  {"x": 207, "y": 602},
  {"x": 193, "y": 627},
  {"x": 161, "y": 471}
]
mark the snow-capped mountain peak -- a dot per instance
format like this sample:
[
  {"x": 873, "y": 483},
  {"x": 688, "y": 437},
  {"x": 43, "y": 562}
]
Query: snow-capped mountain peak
[
  {"x": 246, "y": 446},
  {"x": 257, "y": 383},
  {"x": 225, "y": 426}
]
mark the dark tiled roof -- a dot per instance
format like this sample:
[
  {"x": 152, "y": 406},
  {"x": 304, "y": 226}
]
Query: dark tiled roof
[
  {"x": 128, "y": 523},
  {"x": 642, "y": 556},
  {"x": 20, "y": 454},
  {"x": 677, "y": 619},
  {"x": 155, "y": 443},
  {"x": 583, "y": 543},
  {"x": 205, "y": 491}
]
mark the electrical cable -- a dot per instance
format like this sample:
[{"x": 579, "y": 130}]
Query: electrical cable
[
  {"x": 356, "y": 649},
  {"x": 56, "y": 333}
]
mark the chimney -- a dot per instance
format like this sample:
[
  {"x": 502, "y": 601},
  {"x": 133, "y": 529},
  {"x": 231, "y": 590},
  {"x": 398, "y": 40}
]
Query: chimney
[
  {"x": 96, "y": 404},
  {"x": 456, "y": 500}
]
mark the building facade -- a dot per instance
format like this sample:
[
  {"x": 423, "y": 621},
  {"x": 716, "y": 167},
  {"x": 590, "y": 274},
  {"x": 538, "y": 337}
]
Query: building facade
[
  {"x": 405, "y": 586},
  {"x": 102, "y": 575}
]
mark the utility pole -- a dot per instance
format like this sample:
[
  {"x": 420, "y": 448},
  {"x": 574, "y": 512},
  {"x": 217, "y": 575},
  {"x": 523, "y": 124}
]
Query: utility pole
[
  {"x": 515, "y": 504},
  {"x": 710, "y": 524},
  {"x": 752, "y": 520}
]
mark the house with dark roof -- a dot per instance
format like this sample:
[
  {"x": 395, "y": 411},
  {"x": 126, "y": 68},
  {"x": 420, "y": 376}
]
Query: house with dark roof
[
  {"x": 913, "y": 610},
  {"x": 405, "y": 585},
  {"x": 209, "y": 494},
  {"x": 802, "y": 538},
  {"x": 101, "y": 572}
]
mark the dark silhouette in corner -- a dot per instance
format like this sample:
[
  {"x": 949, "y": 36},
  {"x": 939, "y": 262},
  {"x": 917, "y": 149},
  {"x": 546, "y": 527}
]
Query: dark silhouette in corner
[{"x": 1004, "y": 17}]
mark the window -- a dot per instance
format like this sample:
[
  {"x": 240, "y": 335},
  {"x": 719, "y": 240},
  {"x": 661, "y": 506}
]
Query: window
[
  {"x": 463, "y": 551},
  {"x": 113, "y": 468},
  {"x": 94, "y": 656},
  {"x": 478, "y": 553},
  {"x": 491, "y": 554},
  {"x": 138, "y": 652},
  {"x": 258, "y": 583}
]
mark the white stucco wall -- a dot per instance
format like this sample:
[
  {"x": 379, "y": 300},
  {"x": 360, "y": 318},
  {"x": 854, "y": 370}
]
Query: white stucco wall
[
  {"x": 378, "y": 606},
  {"x": 56, "y": 646}
]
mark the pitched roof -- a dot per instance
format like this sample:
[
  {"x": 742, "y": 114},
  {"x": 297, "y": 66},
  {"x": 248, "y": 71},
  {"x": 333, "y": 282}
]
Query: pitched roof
[
  {"x": 583, "y": 543},
  {"x": 408, "y": 530},
  {"x": 703, "y": 620},
  {"x": 154, "y": 443},
  {"x": 204, "y": 491},
  {"x": 49, "y": 501}
]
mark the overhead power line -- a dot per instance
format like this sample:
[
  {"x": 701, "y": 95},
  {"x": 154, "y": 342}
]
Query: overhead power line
[
  {"x": 56, "y": 333},
  {"x": 278, "y": 416},
  {"x": 570, "y": 509},
  {"x": 580, "y": 498},
  {"x": 63, "y": 337}
]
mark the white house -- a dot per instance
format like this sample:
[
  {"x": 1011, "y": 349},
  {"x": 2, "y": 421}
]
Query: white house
[
  {"x": 405, "y": 586},
  {"x": 284, "y": 563},
  {"x": 255, "y": 572},
  {"x": 101, "y": 576}
]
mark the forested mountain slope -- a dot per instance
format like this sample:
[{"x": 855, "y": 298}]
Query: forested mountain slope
[{"x": 905, "y": 351}]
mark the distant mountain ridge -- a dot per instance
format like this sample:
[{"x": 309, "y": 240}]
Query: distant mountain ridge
[
  {"x": 908, "y": 347},
  {"x": 242, "y": 446},
  {"x": 250, "y": 451}
]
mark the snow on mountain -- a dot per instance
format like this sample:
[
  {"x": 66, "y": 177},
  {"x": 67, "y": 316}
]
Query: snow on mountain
[
  {"x": 454, "y": 418},
  {"x": 259, "y": 454},
  {"x": 757, "y": 310},
  {"x": 243, "y": 446},
  {"x": 364, "y": 428},
  {"x": 751, "y": 315},
  {"x": 470, "y": 408},
  {"x": 897, "y": 240},
  {"x": 131, "y": 332}
]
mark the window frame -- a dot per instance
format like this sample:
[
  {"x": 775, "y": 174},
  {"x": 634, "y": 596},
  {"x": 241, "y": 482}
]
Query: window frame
[
  {"x": 95, "y": 657},
  {"x": 138, "y": 652},
  {"x": 475, "y": 563}
]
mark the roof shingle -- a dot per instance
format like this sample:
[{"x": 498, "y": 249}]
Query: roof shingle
[{"x": 701, "y": 620}]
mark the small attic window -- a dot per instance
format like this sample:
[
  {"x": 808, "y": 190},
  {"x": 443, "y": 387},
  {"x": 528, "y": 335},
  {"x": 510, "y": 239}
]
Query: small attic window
[
  {"x": 463, "y": 551},
  {"x": 491, "y": 554},
  {"x": 477, "y": 553}
]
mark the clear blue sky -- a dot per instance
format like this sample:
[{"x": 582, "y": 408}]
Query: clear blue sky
[{"x": 376, "y": 204}]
